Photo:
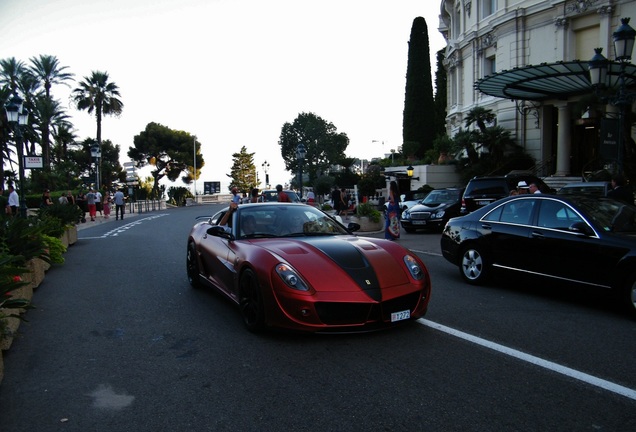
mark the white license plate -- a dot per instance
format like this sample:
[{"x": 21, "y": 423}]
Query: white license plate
[
  {"x": 400, "y": 316},
  {"x": 483, "y": 202},
  {"x": 419, "y": 222}
]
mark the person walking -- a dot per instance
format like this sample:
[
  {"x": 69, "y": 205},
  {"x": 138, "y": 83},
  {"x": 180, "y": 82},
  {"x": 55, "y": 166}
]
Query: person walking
[
  {"x": 99, "y": 202},
  {"x": 81, "y": 203},
  {"x": 90, "y": 202},
  {"x": 282, "y": 196},
  {"x": 14, "y": 200},
  {"x": 106, "y": 204},
  {"x": 119, "y": 200},
  {"x": 46, "y": 199},
  {"x": 392, "y": 222},
  {"x": 621, "y": 190}
]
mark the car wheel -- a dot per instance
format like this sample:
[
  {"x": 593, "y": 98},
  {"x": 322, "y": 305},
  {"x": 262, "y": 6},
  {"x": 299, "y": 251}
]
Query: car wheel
[
  {"x": 192, "y": 267},
  {"x": 251, "y": 302},
  {"x": 473, "y": 266},
  {"x": 629, "y": 294}
]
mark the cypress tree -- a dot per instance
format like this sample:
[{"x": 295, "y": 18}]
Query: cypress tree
[
  {"x": 418, "y": 125},
  {"x": 440, "y": 94}
]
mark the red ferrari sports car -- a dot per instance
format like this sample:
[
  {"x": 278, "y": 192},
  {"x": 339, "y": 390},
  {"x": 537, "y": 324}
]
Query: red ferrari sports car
[{"x": 291, "y": 266}]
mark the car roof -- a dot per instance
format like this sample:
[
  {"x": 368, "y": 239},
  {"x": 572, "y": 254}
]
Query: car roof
[{"x": 589, "y": 184}]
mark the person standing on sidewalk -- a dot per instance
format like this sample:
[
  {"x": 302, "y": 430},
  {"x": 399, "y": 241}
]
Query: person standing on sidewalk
[
  {"x": 120, "y": 202},
  {"x": 106, "y": 204},
  {"x": 14, "y": 201},
  {"x": 92, "y": 207}
]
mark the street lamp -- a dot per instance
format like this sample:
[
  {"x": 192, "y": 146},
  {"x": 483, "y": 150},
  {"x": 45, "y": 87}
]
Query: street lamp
[
  {"x": 409, "y": 173},
  {"x": 265, "y": 166},
  {"x": 96, "y": 152},
  {"x": 18, "y": 117},
  {"x": 301, "y": 152},
  {"x": 600, "y": 67}
]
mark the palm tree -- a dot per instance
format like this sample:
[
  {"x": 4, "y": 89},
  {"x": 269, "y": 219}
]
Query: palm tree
[
  {"x": 11, "y": 70},
  {"x": 481, "y": 116},
  {"x": 96, "y": 94},
  {"x": 47, "y": 70}
]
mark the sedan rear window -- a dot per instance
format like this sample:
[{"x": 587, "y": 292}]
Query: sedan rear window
[{"x": 486, "y": 187}]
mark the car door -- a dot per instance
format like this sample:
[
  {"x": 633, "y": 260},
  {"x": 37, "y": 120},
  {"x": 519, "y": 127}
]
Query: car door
[
  {"x": 557, "y": 251},
  {"x": 218, "y": 257},
  {"x": 505, "y": 236}
]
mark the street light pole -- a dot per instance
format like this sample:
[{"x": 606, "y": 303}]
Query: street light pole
[
  {"x": 18, "y": 117},
  {"x": 599, "y": 67},
  {"x": 301, "y": 152},
  {"x": 96, "y": 153},
  {"x": 265, "y": 166},
  {"x": 194, "y": 144}
]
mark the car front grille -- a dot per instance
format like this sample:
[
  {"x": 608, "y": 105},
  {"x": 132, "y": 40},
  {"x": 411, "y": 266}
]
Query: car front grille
[
  {"x": 361, "y": 313},
  {"x": 421, "y": 215}
]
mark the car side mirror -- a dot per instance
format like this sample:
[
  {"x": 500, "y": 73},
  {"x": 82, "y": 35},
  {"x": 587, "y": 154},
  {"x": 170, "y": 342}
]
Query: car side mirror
[
  {"x": 353, "y": 226},
  {"x": 581, "y": 228},
  {"x": 219, "y": 231}
]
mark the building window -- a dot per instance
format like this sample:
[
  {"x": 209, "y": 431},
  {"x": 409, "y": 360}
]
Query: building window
[
  {"x": 489, "y": 7},
  {"x": 456, "y": 22},
  {"x": 490, "y": 66}
]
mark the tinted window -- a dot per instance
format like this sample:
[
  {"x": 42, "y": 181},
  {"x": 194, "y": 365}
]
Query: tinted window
[
  {"x": 486, "y": 187},
  {"x": 554, "y": 214},
  {"x": 517, "y": 212}
]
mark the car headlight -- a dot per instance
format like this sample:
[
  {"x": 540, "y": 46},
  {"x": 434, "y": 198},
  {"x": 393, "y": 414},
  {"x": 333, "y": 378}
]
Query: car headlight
[
  {"x": 406, "y": 214},
  {"x": 414, "y": 267},
  {"x": 291, "y": 278},
  {"x": 438, "y": 215}
]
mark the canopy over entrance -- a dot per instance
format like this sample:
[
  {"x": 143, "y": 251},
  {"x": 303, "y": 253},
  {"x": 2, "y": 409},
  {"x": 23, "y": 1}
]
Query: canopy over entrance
[{"x": 560, "y": 80}]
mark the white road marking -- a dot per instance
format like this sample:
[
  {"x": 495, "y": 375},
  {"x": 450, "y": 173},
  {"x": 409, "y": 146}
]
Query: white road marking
[
  {"x": 555, "y": 367},
  {"x": 123, "y": 228}
]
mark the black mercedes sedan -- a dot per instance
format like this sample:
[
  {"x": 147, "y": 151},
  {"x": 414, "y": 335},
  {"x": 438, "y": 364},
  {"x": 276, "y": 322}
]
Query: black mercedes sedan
[
  {"x": 580, "y": 239},
  {"x": 434, "y": 211}
]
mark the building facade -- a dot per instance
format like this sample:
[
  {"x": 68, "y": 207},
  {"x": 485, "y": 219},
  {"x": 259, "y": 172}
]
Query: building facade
[{"x": 486, "y": 37}]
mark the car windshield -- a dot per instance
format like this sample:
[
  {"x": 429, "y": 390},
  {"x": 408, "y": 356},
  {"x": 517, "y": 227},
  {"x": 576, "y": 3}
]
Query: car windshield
[
  {"x": 272, "y": 195},
  {"x": 262, "y": 221},
  {"x": 437, "y": 197},
  {"x": 609, "y": 214}
]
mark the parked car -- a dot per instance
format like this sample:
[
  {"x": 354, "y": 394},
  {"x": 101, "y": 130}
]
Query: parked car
[
  {"x": 598, "y": 189},
  {"x": 481, "y": 191},
  {"x": 434, "y": 211},
  {"x": 580, "y": 239},
  {"x": 409, "y": 199},
  {"x": 297, "y": 268},
  {"x": 272, "y": 195}
]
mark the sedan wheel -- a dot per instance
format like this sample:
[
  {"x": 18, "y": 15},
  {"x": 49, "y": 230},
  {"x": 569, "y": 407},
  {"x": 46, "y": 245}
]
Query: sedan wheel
[
  {"x": 251, "y": 302},
  {"x": 192, "y": 267},
  {"x": 630, "y": 294},
  {"x": 472, "y": 266}
]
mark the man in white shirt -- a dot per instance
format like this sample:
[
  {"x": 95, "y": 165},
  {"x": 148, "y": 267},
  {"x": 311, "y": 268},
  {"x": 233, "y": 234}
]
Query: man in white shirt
[
  {"x": 14, "y": 201},
  {"x": 120, "y": 202}
]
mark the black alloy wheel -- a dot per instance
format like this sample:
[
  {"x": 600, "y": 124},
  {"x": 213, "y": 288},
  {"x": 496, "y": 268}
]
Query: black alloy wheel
[
  {"x": 192, "y": 266},
  {"x": 251, "y": 302}
]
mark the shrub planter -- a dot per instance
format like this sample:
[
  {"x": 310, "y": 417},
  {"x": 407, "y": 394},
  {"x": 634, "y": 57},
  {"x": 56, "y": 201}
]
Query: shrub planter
[
  {"x": 71, "y": 233},
  {"x": 36, "y": 267},
  {"x": 11, "y": 328},
  {"x": 366, "y": 224}
]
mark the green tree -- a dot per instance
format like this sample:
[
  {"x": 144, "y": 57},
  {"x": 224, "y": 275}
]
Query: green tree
[
  {"x": 324, "y": 145},
  {"x": 96, "y": 94},
  {"x": 441, "y": 94},
  {"x": 170, "y": 152},
  {"x": 243, "y": 172},
  {"x": 48, "y": 71},
  {"x": 10, "y": 72},
  {"x": 417, "y": 124}
]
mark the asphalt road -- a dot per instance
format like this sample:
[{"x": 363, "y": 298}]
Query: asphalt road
[{"x": 120, "y": 342}]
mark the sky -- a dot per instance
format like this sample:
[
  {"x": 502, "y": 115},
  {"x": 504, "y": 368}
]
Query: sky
[{"x": 231, "y": 72}]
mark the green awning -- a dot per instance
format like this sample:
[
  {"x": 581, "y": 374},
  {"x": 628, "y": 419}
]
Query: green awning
[{"x": 560, "y": 80}]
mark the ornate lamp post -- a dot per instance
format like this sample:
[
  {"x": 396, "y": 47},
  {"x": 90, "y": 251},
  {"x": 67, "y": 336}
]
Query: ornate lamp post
[
  {"x": 301, "y": 152},
  {"x": 265, "y": 166},
  {"x": 409, "y": 173},
  {"x": 96, "y": 152},
  {"x": 18, "y": 117},
  {"x": 599, "y": 67}
]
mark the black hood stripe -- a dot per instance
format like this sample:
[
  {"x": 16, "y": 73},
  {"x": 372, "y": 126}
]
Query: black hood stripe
[{"x": 353, "y": 262}]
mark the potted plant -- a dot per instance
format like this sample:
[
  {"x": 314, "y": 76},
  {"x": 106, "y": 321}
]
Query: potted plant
[{"x": 369, "y": 218}]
